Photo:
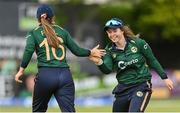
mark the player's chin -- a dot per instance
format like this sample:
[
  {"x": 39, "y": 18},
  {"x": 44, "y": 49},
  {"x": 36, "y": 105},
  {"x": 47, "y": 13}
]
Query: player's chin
[{"x": 114, "y": 40}]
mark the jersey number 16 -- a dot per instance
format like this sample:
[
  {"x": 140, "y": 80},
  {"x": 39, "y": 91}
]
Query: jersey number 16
[{"x": 44, "y": 42}]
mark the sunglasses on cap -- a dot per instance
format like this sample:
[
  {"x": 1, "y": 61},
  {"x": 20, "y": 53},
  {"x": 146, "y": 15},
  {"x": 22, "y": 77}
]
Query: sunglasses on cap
[{"x": 113, "y": 23}]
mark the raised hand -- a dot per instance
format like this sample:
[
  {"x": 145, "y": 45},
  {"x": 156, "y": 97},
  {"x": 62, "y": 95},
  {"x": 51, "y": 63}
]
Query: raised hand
[
  {"x": 96, "y": 60},
  {"x": 95, "y": 52}
]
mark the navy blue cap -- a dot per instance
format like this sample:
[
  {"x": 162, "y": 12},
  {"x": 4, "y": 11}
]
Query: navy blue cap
[
  {"x": 44, "y": 9},
  {"x": 113, "y": 23}
]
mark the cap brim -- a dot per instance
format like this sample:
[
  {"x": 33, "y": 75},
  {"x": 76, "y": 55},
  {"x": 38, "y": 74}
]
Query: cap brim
[{"x": 111, "y": 27}]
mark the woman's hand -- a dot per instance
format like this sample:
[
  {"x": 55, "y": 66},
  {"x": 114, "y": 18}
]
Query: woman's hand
[
  {"x": 19, "y": 74},
  {"x": 169, "y": 83},
  {"x": 95, "y": 52},
  {"x": 96, "y": 60}
]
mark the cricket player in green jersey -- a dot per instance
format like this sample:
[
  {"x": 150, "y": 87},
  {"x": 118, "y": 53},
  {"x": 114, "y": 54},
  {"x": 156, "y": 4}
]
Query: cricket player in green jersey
[
  {"x": 49, "y": 41},
  {"x": 131, "y": 58}
]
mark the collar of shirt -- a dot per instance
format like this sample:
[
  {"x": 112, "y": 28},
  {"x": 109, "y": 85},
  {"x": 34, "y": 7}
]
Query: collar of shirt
[{"x": 114, "y": 47}]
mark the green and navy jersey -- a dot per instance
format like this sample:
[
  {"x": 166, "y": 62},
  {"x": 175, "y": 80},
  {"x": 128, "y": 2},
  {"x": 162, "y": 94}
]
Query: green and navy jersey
[
  {"x": 48, "y": 56},
  {"x": 132, "y": 63}
]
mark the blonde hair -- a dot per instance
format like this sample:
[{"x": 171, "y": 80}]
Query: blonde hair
[
  {"x": 128, "y": 32},
  {"x": 49, "y": 31}
]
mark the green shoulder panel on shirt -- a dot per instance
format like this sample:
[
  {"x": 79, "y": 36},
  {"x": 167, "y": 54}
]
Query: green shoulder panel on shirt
[{"x": 137, "y": 41}]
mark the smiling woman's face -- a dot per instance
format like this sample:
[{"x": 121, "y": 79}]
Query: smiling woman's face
[{"x": 115, "y": 34}]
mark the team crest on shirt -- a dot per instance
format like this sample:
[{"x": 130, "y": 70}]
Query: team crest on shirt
[
  {"x": 139, "y": 93},
  {"x": 114, "y": 55},
  {"x": 134, "y": 49}
]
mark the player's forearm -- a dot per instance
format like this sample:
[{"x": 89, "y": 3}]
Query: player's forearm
[
  {"x": 76, "y": 49},
  {"x": 80, "y": 51},
  {"x": 21, "y": 69},
  {"x": 155, "y": 64},
  {"x": 103, "y": 68},
  {"x": 26, "y": 59},
  {"x": 152, "y": 61},
  {"x": 158, "y": 68}
]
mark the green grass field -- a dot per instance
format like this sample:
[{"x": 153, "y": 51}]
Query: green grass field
[{"x": 172, "y": 105}]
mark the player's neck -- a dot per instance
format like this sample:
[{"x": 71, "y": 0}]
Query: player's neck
[{"x": 121, "y": 43}]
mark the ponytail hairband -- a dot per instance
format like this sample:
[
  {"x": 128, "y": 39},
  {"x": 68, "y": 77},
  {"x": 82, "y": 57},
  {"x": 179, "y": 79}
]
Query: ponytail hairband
[{"x": 44, "y": 15}]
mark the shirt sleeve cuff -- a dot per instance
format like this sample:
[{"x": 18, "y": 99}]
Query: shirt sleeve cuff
[
  {"x": 89, "y": 52},
  {"x": 164, "y": 76}
]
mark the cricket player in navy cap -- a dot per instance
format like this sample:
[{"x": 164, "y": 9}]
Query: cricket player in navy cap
[
  {"x": 49, "y": 41},
  {"x": 130, "y": 57}
]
